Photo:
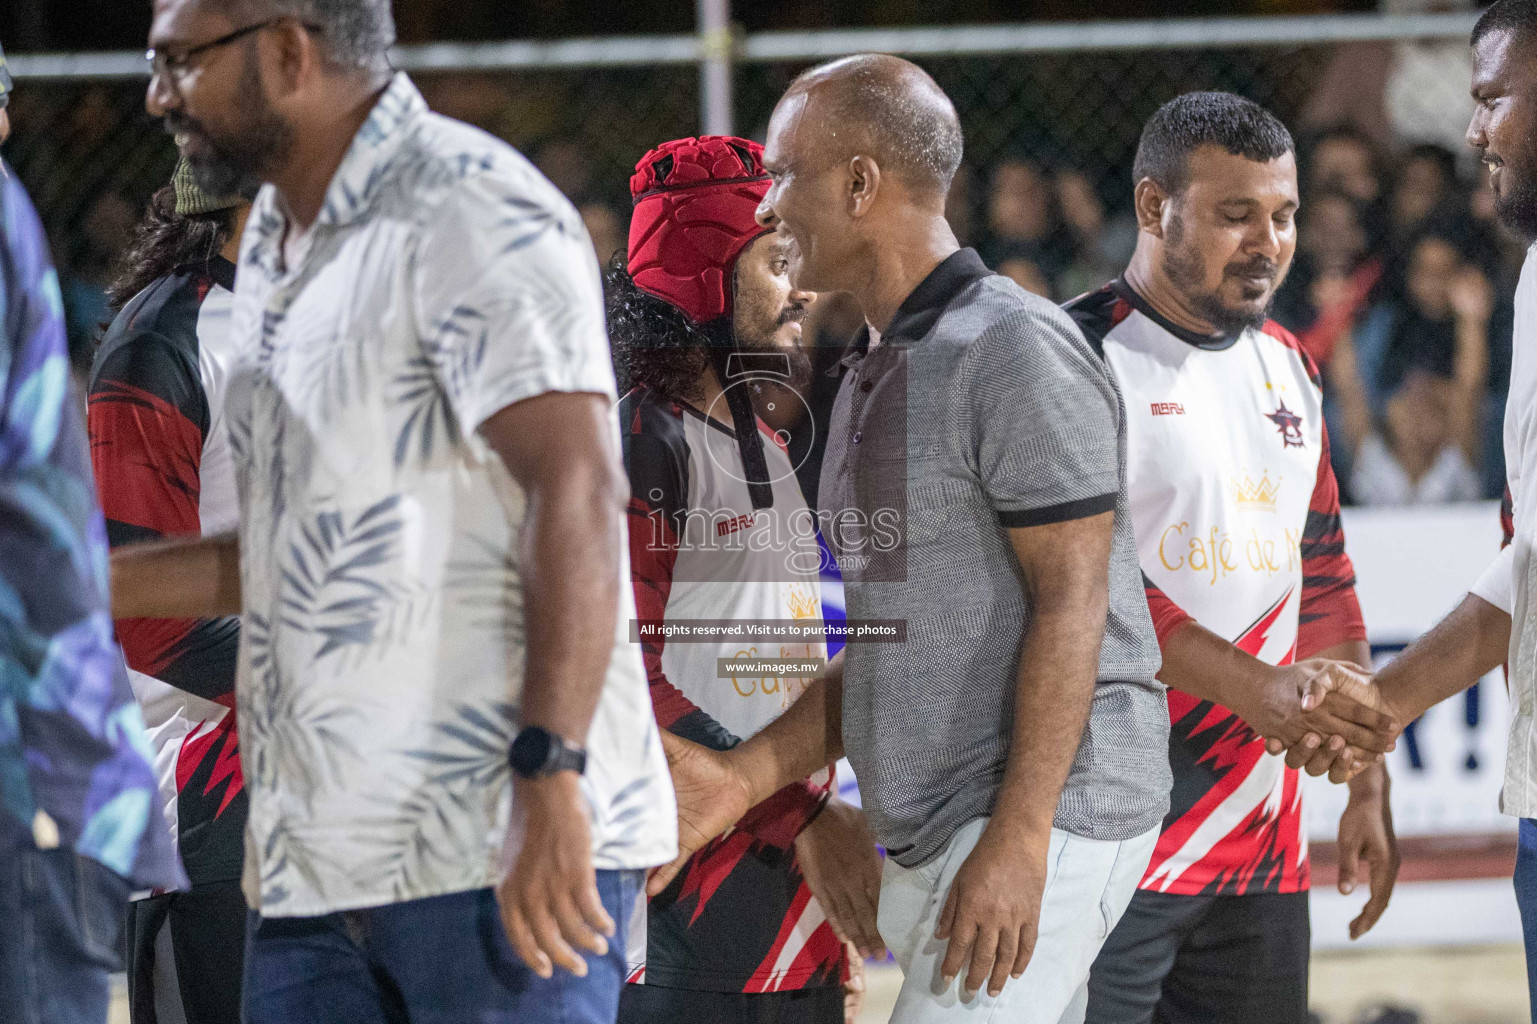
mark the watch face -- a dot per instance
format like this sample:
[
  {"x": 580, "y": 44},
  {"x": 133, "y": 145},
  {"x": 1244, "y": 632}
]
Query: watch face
[{"x": 531, "y": 751}]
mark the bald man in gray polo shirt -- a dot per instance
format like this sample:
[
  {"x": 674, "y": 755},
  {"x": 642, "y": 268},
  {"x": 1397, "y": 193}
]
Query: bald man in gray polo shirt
[{"x": 1012, "y": 753}]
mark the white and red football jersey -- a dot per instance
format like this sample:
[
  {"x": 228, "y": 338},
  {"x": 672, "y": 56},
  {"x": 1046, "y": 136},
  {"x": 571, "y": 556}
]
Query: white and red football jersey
[
  {"x": 739, "y": 917},
  {"x": 1236, "y": 514}
]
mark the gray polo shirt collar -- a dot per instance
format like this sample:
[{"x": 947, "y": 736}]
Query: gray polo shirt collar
[{"x": 923, "y": 305}]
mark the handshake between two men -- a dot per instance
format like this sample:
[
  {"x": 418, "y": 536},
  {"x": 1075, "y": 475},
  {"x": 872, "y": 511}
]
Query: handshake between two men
[{"x": 1327, "y": 717}]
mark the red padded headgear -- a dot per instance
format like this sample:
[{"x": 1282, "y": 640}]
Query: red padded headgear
[{"x": 696, "y": 202}]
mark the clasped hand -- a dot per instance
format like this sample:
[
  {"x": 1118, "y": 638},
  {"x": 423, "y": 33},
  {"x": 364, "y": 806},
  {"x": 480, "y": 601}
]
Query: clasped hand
[{"x": 1328, "y": 717}]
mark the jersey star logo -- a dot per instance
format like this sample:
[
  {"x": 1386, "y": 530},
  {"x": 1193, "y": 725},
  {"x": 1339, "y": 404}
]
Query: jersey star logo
[{"x": 1290, "y": 425}]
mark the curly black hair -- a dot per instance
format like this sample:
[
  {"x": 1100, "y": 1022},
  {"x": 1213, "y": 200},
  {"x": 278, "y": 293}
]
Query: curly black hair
[
  {"x": 166, "y": 242},
  {"x": 654, "y": 343}
]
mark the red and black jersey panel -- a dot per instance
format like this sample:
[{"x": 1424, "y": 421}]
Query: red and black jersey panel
[{"x": 1330, "y": 612}]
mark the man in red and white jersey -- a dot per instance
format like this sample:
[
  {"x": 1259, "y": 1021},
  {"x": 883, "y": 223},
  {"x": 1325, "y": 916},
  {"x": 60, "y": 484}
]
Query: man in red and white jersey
[
  {"x": 705, "y": 324},
  {"x": 1236, "y": 515},
  {"x": 160, "y": 450}
]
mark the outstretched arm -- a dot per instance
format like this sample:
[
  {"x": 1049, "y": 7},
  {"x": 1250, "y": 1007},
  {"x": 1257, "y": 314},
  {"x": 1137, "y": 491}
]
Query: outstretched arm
[
  {"x": 715, "y": 788},
  {"x": 1278, "y": 702},
  {"x": 1459, "y": 651},
  {"x": 177, "y": 579}
]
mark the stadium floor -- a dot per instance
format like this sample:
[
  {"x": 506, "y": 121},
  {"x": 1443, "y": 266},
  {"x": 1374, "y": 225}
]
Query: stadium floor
[{"x": 1462, "y": 985}]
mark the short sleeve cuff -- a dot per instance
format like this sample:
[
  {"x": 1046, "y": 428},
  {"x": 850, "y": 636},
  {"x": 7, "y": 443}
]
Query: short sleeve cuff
[
  {"x": 1494, "y": 585},
  {"x": 1083, "y": 508},
  {"x": 511, "y": 389}
]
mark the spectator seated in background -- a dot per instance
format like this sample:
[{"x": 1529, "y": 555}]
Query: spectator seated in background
[
  {"x": 1444, "y": 306},
  {"x": 1343, "y": 159},
  {"x": 1024, "y": 226},
  {"x": 1410, "y": 418},
  {"x": 1422, "y": 451},
  {"x": 1424, "y": 188},
  {"x": 1335, "y": 276},
  {"x": 1049, "y": 233}
]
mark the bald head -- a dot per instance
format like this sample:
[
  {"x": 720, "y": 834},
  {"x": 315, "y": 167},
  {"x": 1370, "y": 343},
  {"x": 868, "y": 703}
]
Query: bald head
[{"x": 888, "y": 109}]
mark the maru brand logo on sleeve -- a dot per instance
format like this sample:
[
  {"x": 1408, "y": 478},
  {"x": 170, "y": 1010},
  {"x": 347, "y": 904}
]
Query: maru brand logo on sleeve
[{"x": 1167, "y": 409}]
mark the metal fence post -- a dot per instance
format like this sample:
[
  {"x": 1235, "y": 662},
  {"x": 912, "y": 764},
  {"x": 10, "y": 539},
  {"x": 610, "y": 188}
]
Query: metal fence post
[{"x": 715, "y": 46}]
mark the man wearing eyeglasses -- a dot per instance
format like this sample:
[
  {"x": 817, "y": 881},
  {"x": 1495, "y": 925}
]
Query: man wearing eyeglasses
[
  {"x": 430, "y": 557},
  {"x": 78, "y": 821}
]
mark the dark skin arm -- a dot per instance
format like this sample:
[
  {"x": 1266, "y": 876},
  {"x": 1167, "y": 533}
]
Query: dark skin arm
[
  {"x": 183, "y": 578},
  {"x": 1280, "y": 701},
  {"x": 992, "y": 912},
  {"x": 559, "y": 449},
  {"x": 1458, "y": 651},
  {"x": 715, "y": 788}
]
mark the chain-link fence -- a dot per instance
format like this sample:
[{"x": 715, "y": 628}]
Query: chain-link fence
[{"x": 1051, "y": 115}]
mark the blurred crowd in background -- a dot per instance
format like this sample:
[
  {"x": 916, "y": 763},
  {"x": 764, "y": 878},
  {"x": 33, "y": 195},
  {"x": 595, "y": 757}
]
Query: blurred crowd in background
[{"x": 1401, "y": 289}]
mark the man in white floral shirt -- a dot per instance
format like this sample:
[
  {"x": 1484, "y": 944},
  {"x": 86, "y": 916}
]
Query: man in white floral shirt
[{"x": 430, "y": 552}]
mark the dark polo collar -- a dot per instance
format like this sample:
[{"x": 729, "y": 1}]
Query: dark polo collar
[{"x": 923, "y": 306}]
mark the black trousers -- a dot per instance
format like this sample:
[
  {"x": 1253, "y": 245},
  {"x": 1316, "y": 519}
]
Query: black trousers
[
  {"x": 203, "y": 931},
  {"x": 652, "y": 1004},
  {"x": 1204, "y": 960}
]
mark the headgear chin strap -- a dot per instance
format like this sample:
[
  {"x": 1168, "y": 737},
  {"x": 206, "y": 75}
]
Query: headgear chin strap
[{"x": 696, "y": 205}]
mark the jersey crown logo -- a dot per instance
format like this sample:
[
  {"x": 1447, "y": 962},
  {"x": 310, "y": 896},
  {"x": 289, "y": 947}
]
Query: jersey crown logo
[{"x": 1256, "y": 496}]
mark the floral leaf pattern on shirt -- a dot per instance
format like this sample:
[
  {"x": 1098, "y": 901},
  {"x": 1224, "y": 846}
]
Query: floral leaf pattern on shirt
[
  {"x": 429, "y": 419},
  {"x": 524, "y": 221},
  {"x": 329, "y": 585},
  {"x": 456, "y": 351},
  {"x": 626, "y": 814},
  {"x": 285, "y": 851},
  {"x": 462, "y": 770},
  {"x": 486, "y": 588},
  {"x": 297, "y": 733}
]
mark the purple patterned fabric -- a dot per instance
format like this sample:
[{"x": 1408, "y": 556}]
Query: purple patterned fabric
[{"x": 74, "y": 762}]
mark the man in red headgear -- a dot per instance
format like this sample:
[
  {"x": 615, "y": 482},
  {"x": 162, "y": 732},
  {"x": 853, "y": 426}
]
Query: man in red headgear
[{"x": 705, "y": 326}]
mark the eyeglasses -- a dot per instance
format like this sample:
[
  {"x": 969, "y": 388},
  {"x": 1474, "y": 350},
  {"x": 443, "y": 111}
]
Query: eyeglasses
[{"x": 174, "y": 67}]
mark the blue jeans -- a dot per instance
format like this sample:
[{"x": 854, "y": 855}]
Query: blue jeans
[
  {"x": 439, "y": 960},
  {"x": 1526, "y": 900},
  {"x": 60, "y": 936}
]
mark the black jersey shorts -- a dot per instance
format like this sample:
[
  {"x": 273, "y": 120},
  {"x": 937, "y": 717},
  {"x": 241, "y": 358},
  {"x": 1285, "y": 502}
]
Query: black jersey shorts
[{"x": 1204, "y": 960}]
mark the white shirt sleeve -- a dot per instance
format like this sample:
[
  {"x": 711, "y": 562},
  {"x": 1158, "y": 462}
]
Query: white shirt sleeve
[
  {"x": 1495, "y": 584},
  {"x": 509, "y": 300}
]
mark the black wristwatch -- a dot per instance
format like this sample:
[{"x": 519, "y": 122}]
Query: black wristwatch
[{"x": 538, "y": 753}]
